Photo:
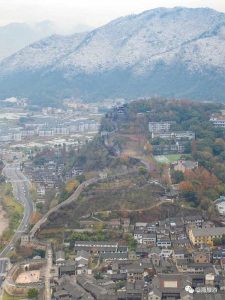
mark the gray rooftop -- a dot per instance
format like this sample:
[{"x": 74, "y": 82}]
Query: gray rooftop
[{"x": 213, "y": 231}]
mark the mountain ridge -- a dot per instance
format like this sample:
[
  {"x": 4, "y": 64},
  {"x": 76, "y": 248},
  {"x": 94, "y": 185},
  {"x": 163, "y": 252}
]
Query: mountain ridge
[
  {"x": 16, "y": 36},
  {"x": 175, "y": 52}
]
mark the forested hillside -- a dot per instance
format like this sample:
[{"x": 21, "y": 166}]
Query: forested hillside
[{"x": 123, "y": 151}]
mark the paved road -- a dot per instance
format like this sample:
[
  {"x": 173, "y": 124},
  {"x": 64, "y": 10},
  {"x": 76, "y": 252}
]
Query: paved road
[
  {"x": 4, "y": 267},
  {"x": 20, "y": 186}
]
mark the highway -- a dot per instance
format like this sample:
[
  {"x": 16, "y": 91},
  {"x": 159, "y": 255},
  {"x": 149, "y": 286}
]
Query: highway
[
  {"x": 4, "y": 267},
  {"x": 20, "y": 186}
]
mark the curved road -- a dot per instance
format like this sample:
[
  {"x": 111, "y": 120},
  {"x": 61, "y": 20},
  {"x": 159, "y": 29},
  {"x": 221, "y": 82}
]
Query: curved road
[{"x": 20, "y": 186}]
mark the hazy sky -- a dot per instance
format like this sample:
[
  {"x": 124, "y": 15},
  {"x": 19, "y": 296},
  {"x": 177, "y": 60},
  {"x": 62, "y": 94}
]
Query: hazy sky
[{"x": 92, "y": 12}]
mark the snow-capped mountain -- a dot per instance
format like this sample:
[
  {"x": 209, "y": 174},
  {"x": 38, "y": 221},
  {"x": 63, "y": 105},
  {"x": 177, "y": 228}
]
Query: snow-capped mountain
[
  {"x": 16, "y": 36},
  {"x": 177, "y": 52}
]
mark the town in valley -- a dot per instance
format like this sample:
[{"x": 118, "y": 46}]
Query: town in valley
[
  {"x": 105, "y": 218},
  {"x": 112, "y": 150}
]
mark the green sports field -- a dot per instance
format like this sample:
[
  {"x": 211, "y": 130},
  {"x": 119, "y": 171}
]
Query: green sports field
[{"x": 167, "y": 159}]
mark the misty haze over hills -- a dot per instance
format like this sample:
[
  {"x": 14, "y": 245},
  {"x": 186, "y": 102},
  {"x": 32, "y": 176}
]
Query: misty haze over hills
[
  {"x": 16, "y": 36},
  {"x": 176, "y": 52}
]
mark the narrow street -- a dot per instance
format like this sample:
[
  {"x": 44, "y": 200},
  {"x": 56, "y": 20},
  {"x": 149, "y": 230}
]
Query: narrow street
[{"x": 48, "y": 273}]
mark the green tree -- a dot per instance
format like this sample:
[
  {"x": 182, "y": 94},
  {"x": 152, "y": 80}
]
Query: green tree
[
  {"x": 219, "y": 241},
  {"x": 177, "y": 176},
  {"x": 143, "y": 171},
  {"x": 32, "y": 293},
  {"x": 39, "y": 206},
  {"x": 132, "y": 243},
  {"x": 223, "y": 239},
  {"x": 81, "y": 178},
  {"x": 120, "y": 284}
]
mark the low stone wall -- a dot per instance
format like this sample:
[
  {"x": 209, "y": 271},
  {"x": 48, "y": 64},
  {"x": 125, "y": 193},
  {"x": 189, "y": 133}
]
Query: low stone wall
[{"x": 13, "y": 288}]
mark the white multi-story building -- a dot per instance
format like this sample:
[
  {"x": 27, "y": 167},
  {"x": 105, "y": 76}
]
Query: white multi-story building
[
  {"x": 159, "y": 126},
  {"x": 177, "y": 135},
  {"x": 218, "y": 122},
  {"x": 17, "y": 137},
  {"x": 41, "y": 190}
]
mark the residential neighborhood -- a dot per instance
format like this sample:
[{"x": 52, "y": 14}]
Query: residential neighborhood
[
  {"x": 109, "y": 219},
  {"x": 167, "y": 256}
]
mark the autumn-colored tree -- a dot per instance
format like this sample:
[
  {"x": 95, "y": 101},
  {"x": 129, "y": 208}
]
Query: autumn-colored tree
[
  {"x": 187, "y": 190},
  {"x": 148, "y": 148},
  {"x": 71, "y": 185},
  {"x": 202, "y": 179},
  {"x": 200, "y": 186},
  {"x": 124, "y": 214},
  {"x": 186, "y": 186},
  {"x": 35, "y": 217},
  {"x": 125, "y": 157}
]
